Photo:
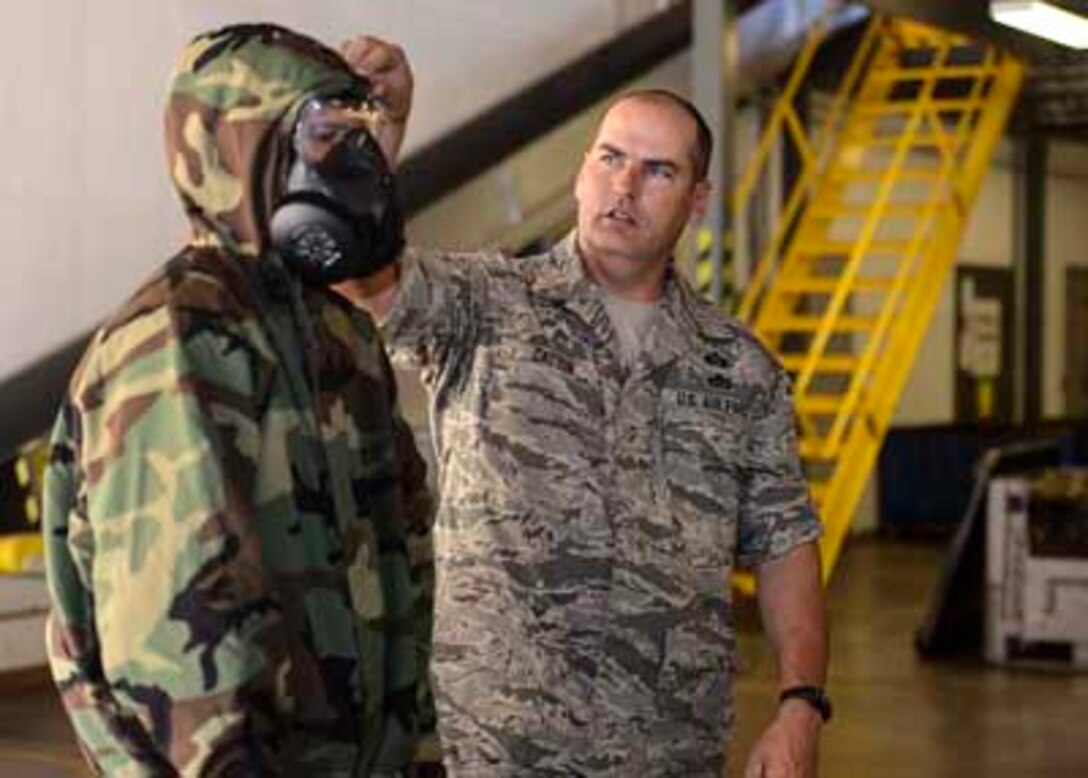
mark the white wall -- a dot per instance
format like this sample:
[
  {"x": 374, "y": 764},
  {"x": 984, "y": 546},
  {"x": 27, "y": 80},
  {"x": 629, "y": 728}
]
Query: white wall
[
  {"x": 24, "y": 603},
  {"x": 990, "y": 240},
  {"x": 929, "y": 396},
  {"x": 86, "y": 209}
]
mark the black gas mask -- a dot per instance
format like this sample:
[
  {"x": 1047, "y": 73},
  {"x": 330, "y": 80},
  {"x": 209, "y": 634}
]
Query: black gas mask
[{"x": 339, "y": 216}]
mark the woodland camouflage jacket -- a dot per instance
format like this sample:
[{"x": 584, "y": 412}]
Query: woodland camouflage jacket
[{"x": 235, "y": 522}]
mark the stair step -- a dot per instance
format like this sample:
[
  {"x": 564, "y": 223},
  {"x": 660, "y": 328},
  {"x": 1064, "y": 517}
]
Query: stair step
[
  {"x": 813, "y": 450},
  {"x": 902, "y": 108},
  {"x": 922, "y": 140},
  {"x": 827, "y": 364},
  {"x": 820, "y": 404},
  {"x": 840, "y": 210},
  {"x": 744, "y": 583},
  {"x": 890, "y": 76},
  {"x": 905, "y": 174},
  {"x": 809, "y": 285},
  {"x": 812, "y": 323},
  {"x": 843, "y": 247}
]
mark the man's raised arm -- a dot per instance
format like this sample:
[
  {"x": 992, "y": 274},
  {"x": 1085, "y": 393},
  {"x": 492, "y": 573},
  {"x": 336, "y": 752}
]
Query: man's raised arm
[{"x": 390, "y": 76}]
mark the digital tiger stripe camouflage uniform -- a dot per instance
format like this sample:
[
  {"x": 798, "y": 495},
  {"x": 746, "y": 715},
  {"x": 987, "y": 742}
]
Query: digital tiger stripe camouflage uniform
[
  {"x": 236, "y": 523},
  {"x": 588, "y": 519}
]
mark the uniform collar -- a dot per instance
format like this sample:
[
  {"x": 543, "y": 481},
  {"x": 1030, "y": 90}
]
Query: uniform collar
[{"x": 562, "y": 277}]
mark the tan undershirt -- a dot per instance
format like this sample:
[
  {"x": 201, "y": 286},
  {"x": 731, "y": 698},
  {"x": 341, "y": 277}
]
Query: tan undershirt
[{"x": 633, "y": 321}]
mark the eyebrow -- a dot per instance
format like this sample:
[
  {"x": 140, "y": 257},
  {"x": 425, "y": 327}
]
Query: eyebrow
[
  {"x": 651, "y": 162},
  {"x": 605, "y": 146}
]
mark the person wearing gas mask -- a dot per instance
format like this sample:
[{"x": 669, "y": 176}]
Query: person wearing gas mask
[
  {"x": 610, "y": 447},
  {"x": 236, "y": 518}
]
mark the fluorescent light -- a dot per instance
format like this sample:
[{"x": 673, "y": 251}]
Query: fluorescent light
[{"x": 1042, "y": 19}]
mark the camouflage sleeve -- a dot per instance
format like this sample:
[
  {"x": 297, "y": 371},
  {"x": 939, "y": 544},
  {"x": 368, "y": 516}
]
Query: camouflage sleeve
[
  {"x": 163, "y": 639},
  {"x": 112, "y": 739},
  {"x": 419, "y": 511},
  {"x": 775, "y": 512},
  {"x": 436, "y": 309}
]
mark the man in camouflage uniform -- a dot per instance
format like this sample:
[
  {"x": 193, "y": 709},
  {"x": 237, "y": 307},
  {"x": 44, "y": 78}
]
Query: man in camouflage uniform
[
  {"x": 236, "y": 520},
  {"x": 610, "y": 447}
]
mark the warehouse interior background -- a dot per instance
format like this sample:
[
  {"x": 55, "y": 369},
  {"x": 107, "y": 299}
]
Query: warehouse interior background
[{"x": 919, "y": 391}]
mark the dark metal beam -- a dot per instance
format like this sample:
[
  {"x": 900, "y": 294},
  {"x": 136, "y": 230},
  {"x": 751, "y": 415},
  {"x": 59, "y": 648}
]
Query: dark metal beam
[
  {"x": 971, "y": 17},
  {"x": 1030, "y": 215},
  {"x": 712, "y": 93},
  {"x": 29, "y": 399},
  {"x": 485, "y": 140}
]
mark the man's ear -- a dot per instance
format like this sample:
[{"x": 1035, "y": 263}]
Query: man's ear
[{"x": 700, "y": 199}]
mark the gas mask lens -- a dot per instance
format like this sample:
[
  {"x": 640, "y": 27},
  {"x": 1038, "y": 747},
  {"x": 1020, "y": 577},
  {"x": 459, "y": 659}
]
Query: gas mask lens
[{"x": 325, "y": 124}]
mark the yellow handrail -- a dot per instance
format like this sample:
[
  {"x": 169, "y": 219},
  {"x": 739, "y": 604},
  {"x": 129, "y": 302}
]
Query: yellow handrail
[{"x": 808, "y": 173}]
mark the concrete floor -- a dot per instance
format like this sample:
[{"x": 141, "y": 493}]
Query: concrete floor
[{"x": 895, "y": 716}]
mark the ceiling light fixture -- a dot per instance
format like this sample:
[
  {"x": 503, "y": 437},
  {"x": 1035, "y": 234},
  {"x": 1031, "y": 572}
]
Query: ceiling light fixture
[{"x": 1042, "y": 19}]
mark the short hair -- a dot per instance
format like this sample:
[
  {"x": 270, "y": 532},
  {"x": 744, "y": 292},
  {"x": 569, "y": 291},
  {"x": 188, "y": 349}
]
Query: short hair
[{"x": 704, "y": 140}]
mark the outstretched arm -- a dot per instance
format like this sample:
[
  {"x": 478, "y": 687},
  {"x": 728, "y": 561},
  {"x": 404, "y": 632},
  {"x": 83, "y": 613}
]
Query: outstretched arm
[
  {"x": 426, "y": 303},
  {"x": 390, "y": 75}
]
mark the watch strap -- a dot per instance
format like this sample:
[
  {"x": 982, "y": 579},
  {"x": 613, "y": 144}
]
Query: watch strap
[{"x": 813, "y": 695}]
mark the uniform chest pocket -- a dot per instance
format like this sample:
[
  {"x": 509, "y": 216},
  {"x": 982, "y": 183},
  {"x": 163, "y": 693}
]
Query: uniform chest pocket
[
  {"x": 537, "y": 383},
  {"x": 702, "y": 433},
  {"x": 702, "y": 444},
  {"x": 525, "y": 356},
  {"x": 534, "y": 421}
]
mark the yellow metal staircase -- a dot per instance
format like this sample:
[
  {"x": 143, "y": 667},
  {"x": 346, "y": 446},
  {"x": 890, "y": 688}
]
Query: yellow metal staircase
[{"x": 847, "y": 284}]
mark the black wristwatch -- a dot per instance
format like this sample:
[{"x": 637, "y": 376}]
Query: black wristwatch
[{"x": 813, "y": 695}]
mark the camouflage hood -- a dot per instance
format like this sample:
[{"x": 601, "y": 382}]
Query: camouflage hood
[{"x": 227, "y": 150}]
